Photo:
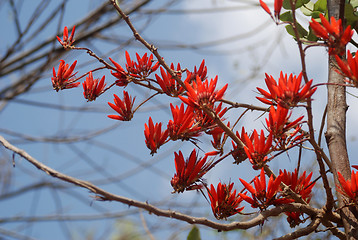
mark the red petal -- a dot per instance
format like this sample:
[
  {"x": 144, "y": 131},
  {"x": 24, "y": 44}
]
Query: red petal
[
  {"x": 248, "y": 186},
  {"x": 265, "y": 7}
]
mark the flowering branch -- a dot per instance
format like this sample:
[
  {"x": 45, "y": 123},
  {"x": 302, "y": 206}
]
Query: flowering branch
[
  {"x": 150, "y": 47},
  {"x": 288, "y": 192},
  {"x": 102, "y": 195}
]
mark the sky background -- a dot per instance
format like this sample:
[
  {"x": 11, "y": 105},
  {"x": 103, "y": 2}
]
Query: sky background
[{"x": 239, "y": 43}]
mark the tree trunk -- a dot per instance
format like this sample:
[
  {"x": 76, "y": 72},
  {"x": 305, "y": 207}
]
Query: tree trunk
[{"x": 336, "y": 127}]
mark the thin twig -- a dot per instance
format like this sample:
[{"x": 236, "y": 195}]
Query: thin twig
[{"x": 145, "y": 226}]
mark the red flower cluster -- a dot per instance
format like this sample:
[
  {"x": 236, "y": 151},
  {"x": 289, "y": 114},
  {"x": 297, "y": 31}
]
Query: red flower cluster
[
  {"x": 154, "y": 137},
  {"x": 332, "y": 33},
  {"x": 302, "y": 186},
  {"x": 201, "y": 73},
  {"x": 183, "y": 125},
  {"x": 143, "y": 68},
  {"x": 188, "y": 173},
  {"x": 239, "y": 153},
  {"x": 257, "y": 148},
  {"x": 349, "y": 188},
  {"x": 189, "y": 123},
  {"x": 140, "y": 69},
  {"x": 64, "y": 77},
  {"x": 288, "y": 92},
  {"x": 203, "y": 93},
  {"x": 67, "y": 41},
  {"x": 350, "y": 67},
  {"x": 122, "y": 77},
  {"x": 198, "y": 93},
  {"x": 92, "y": 88},
  {"x": 277, "y": 9},
  {"x": 224, "y": 201},
  {"x": 123, "y": 107},
  {"x": 279, "y": 125},
  {"x": 264, "y": 196},
  {"x": 206, "y": 122},
  {"x": 218, "y": 136},
  {"x": 168, "y": 84}
]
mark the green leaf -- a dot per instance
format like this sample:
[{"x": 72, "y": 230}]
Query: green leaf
[
  {"x": 286, "y": 17},
  {"x": 354, "y": 3},
  {"x": 286, "y": 4},
  {"x": 194, "y": 234},
  {"x": 301, "y": 31},
  {"x": 307, "y": 9},
  {"x": 350, "y": 15},
  {"x": 311, "y": 36},
  {"x": 321, "y": 6},
  {"x": 299, "y": 3},
  {"x": 315, "y": 15}
]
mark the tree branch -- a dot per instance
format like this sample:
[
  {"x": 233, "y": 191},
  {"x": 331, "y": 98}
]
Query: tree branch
[{"x": 103, "y": 195}]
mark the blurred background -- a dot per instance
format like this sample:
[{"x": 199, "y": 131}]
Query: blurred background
[{"x": 239, "y": 43}]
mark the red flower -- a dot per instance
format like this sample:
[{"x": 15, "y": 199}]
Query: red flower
[
  {"x": 188, "y": 173},
  {"x": 278, "y": 124},
  {"x": 201, "y": 72},
  {"x": 263, "y": 197},
  {"x": 123, "y": 107},
  {"x": 349, "y": 188},
  {"x": 154, "y": 137},
  {"x": 206, "y": 122},
  {"x": 302, "y": 186},
  {"x": 183, "y": 125},
  {"x": 120, "y": 74},
  {"x": 350, "y": 67},
  {"x": 219, "y": 137},
  {"x": 64, "y": 78},
  {"x": 288, "y": 92},
  {"x": 239, "y": 153},
  {"x": 67, "y": 41},
  {"x": 332, "y": 33},
  {"x": 203, "y": 93},
  {"x": 168, "y": 84},
  {"x": 217, "y": 133},
  {"x": 277, "y": 9},
  {"x": 224, "y": 201},
  {"x": 257, "y": 147},
  {"x": 143, "y": 68},
  {"x": 91, "y": 88}
]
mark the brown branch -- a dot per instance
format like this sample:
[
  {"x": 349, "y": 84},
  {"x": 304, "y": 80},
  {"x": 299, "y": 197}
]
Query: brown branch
[
  {"x": 103, "y": 195},
  {"x": 150, "y": 47},
  {"x": 243, "y": 105},
  {"x": 24, "y": 58},
  {"x": 208, "y": 111},
  {"x": 144, "y": 223},
  {"x": 318, "y": 150},
  {"x": 58, "y": 217},
  {"x": 25, "y": 189},
  {"x": 302, "y": 231},
  {"x": 58, "y": 139},
  {"x": 334, "y": 230}
]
